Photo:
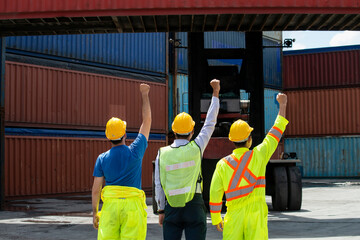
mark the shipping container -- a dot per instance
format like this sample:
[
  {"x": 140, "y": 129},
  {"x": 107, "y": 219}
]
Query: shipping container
[
  {"x": 271, "y": 108},
  {"x": 140, "y": 51},
  {"x": 38, "y": 166},
  {"x": 272, "y": 63},
  {"x": 57, "y": 98},
  {"x": 82, "y": 8},
  {"x": 322, "y": 68},
  {"x": 323, "y": 112},
  {"x": 182, "y": 83},
  {"x": 327, "y": 156}
]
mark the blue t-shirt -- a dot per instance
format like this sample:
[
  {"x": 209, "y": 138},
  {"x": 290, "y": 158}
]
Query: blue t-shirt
[{"x": 121, "y": 165}]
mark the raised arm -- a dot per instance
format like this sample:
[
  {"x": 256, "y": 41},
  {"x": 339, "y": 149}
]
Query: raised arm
[
  {"x": 146, "y": 111},
  {"x": 271, "y": 141},
  {"x": 207, "y": 130},
  {"x": 282, "y": 99}
]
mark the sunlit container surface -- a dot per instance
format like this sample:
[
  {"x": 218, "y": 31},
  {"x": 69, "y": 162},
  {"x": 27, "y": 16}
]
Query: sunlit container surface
[
  {"x": 323, "y": 112},
  {"x": 323, "y": 67},
  {"x": 182, "y": 82},
  {"x": 327, "y": 156},
  {"x": 271, "y": 56},
  {"x": 271, "y": 108},
  {"x": 58, "y": 98},
  {"x": 144, "y": 51},
  {"x": 49, "y": 165}
]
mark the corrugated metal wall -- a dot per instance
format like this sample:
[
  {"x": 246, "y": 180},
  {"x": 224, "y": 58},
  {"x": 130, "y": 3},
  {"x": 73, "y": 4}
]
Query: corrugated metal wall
[
  {"x": 272, "y": 60},
  {"x": 332, "y": 67},
  {"x": 182, "y": 83},
  {"x": 98, "y": 8},
  {"x": 145, "y": 51},
  {"x": 271, "y": 108},
  {"x": 323, "y": 112},
  {"x": 49, "y": 165},
  {"x": 327, "y": 156},
  {"x": 51, "y": 97},
  {"x": 272, "y": 56}
]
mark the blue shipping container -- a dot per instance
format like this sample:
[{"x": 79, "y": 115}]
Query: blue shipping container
[
  {"x": 327, "y": 156},
  {"x": 182, "y": 83},
  {"x": 271, "y": 108},
  {"x": 272, "y": 57},
  {"x": 143, "y": 51}
]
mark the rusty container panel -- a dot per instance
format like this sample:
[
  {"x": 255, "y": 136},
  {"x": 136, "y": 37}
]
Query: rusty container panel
[
  {"x": 10, "y": 9},
  {"x": 218, "y": 148},
  {"x": 323, "y": 112},
  {"x": 58, "y": 98},
  {"x": 37, "y": 166},
  {"x": 321, "y": 68}
]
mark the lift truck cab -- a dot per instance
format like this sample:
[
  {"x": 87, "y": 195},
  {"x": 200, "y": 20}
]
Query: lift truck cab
[{"x": 283, "y": 178}]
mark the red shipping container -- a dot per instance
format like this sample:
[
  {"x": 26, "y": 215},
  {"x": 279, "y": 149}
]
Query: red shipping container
[
  {"x": 321, "y": 70},
  {"x": 37, "y": 96},
  {"x": 323, "y": 112},
  {"x": 36, "y": 166},
  {"x": 10, "y": 9}
]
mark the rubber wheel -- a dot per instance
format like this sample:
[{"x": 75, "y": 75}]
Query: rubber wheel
[
  {"x": 154, "y": 204},
  {"x": 280, "y": 195},
  {"x": 295, "y": 188}
]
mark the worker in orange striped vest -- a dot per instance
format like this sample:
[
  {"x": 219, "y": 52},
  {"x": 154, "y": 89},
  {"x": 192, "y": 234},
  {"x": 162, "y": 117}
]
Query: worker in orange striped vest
[{"x": 241, "y": 176}]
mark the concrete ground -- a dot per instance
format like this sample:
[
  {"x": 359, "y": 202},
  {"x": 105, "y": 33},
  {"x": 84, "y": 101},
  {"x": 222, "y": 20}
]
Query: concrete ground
[{"x": 330, "y": 210}]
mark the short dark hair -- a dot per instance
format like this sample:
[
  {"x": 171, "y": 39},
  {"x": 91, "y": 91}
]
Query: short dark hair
[
  {"x": 240, "y": 145},
  {"x": 182, "y": 136},
  {"x": 116, "y": 142}
]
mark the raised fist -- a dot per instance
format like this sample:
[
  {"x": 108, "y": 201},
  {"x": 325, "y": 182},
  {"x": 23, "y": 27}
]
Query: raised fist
[
  {"x": 215, "y": 84},
  {"x": 281, "y": 98},
  {"x": 144, "y": 88}
]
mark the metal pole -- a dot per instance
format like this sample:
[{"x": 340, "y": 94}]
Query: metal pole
[
  {"x": 197, "y": 75},
  {"x": 255, "y": 78},
  {"x": 2, "y": 122}
]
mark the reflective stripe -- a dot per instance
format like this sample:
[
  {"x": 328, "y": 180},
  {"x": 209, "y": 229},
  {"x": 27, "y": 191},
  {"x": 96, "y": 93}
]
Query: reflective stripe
[
  {"x": 215, "y": 207},
  {"x": 249, "y": 177},
  {"x": 242, "y": 192},
  {"x": 276, "y": 133},
  {"x": 260, "y": 181},
  {"x": 180, "y": 166},
  {"x": 231, "y": 162},
  {"x": 240, "y": 169},
  {"x": 179, "y": 191}
]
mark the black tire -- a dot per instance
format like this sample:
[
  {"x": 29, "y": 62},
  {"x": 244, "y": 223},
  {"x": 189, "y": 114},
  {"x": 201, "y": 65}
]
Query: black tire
[
  {"x": 154, "y": 204},
  {"x": 280, "y": 195},
  {"x": 295, "y": 188}
]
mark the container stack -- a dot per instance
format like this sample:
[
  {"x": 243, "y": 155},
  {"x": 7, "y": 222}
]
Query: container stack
[
  {"x": 60, "y": 92},
  {"x": 323, "y": 88}
]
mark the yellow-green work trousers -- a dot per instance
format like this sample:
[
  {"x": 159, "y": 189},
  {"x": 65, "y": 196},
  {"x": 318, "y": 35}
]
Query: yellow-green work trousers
[
  {"x": 247, "y": 222},
  {"x": 123, "y": 214}
]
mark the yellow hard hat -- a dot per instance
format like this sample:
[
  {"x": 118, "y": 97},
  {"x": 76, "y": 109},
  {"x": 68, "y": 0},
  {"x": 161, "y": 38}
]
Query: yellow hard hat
[
  {"x": 240, "y": 131},
  {"x": 115, "y": 129},
  {"x": 183, "y": 123}
]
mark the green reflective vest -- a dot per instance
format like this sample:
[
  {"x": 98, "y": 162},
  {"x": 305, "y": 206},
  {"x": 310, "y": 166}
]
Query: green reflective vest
[{"x": 179, "y": 171}]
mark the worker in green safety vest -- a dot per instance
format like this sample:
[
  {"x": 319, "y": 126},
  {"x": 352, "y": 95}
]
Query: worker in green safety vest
[{"x": 178, "y": 181}]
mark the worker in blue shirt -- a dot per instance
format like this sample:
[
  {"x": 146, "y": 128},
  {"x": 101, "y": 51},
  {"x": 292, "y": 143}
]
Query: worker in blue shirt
[{"x": 123, "y": 214}]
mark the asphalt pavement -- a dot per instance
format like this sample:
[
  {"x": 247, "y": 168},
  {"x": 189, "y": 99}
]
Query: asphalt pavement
[{"x": 330, "y": 210}]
